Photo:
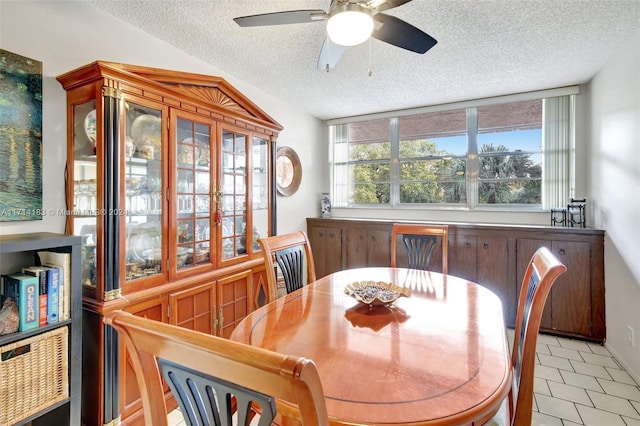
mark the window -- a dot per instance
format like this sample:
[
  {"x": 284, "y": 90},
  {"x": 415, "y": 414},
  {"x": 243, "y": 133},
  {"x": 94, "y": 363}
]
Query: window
[{"x": 493, "y": 155}]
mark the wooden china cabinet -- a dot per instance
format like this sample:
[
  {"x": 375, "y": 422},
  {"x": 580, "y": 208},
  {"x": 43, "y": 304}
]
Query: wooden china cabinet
[{"x": 170, "y": 181}]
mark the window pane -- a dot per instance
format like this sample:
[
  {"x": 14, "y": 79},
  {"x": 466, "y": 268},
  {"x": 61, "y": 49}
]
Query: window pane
[
  {"x": 370, "y": 182},
  {"x": 433, "y": 181},
  {"x": 510, "y": 153},
  {"x": 432, "y": 154},
  {"x": 368, "y": 160}
]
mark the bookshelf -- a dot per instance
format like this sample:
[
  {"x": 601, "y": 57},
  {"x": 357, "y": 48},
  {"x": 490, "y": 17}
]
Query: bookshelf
[{"x": 21, "y": 250}]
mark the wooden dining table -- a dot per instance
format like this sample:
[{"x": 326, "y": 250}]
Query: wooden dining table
[{"x": 437, "y": 357}]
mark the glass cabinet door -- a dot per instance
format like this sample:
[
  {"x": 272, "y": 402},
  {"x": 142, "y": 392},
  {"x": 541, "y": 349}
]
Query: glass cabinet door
[
  {"x": 193, "y": 194},
  {"x": 233, "y": 200},
  {"x": 85, "y": 196},
  {"x": 260, "y": 189},
  {"x": 143, "y": 191}
]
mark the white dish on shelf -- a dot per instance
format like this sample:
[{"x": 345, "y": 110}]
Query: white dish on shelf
[
  {"x": 90, "y": 128},
  {"x": 146, "y": 128}
]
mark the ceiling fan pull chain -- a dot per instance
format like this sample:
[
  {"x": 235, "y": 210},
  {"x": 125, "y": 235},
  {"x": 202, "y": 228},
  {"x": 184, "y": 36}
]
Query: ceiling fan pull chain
[
  {"x": 369, "y": 56},
  {"x": 328, "y": 52}
]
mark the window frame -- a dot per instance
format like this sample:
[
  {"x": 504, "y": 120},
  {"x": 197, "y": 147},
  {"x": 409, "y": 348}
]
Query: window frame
[{"x": 472, "y": 181}]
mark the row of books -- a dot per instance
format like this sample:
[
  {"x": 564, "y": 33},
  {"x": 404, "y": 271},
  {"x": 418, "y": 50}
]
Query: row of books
[{"x": 41, "y": 292}]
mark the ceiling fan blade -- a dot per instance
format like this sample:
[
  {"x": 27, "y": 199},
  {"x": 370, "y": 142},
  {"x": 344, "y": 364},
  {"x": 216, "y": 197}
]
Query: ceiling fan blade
[
  {"x": 402, "y": 34},
  {"x": 330, "y": 54},
  {"x": 281, "y": 18},
  {"x": 382, "y": 5}
]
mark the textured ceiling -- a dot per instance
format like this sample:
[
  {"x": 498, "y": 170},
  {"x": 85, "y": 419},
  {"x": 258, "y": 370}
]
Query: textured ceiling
[{"x": 485, "y": 48}]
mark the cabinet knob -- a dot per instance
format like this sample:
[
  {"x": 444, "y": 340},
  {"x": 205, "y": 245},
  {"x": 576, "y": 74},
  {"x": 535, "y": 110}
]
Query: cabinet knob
[
  {"x": 321, "y": 234},
  {"x": 562, "y": 251},
  {"x": 468, "y": 244},
  {"x": 485, "y": 245},
  {"x": 331, "y": 235},
  {"x": 373, "y": 237}
]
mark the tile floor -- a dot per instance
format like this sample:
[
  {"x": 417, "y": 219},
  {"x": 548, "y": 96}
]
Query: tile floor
[
  {"x": 576, "y": 383},
  {"x": 580, "y": 383}
]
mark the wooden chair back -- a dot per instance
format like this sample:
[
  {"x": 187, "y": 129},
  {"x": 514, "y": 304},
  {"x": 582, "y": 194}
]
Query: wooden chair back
[
  {"x": 291, "y": 252},
  {"x": 195, "y": 363},
  {"x": 419, "y": 241},
  {"x": 542, "y": 271}
]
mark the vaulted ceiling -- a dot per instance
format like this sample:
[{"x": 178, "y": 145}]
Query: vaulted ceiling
[{"x": 485, "y": 48}]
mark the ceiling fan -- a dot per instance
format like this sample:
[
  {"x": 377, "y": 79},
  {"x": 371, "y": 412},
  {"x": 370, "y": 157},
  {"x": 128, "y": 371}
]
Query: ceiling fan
[{"x": 350, "y": 22}]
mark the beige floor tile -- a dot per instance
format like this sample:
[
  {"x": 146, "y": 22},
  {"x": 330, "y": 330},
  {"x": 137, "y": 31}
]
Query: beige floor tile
[
  {"x": 557, "y": 408},
  {"x": 594, "y": 417},
  {"x": 569, "y": 393},
  {"x": 540, "y": 419},
  {"x": 548, "y": 373},
  {"x": 577, "y": 345},
  {"x": 620, "y": 389},
  {"x": 599, "y": 349},
  {"x": 542, "y": 348},
  {"x": 621, "y": 376},
  {"x": 565, "y": 353},
  {"x": 613, "y": 404},
  {"x": 581, "y": 380},
  {"x": 541, "y": 386},
  {"x": 631, "y": 422},
  {"x": 590, "y": 369},
  {"x": 603, "y": 360},
  {"x": 548, "y": 340},
  {"x": 556, "y": 362}
]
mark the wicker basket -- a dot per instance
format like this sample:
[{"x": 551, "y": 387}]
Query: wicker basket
[{"x": 33, "y": 375}]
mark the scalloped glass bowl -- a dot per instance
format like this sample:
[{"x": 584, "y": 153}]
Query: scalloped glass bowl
[{"x": 376, "y": 293}]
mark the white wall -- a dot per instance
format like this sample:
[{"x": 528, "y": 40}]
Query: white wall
[
  {"x": 615, "y": 194},
  {"x": 64, "y": 35}
]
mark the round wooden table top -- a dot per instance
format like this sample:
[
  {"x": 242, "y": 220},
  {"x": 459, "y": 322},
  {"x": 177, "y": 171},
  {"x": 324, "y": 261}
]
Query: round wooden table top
[{"x": 439, "y": 356}]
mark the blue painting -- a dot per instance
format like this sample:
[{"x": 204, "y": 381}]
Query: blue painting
[{"x": 20, "y": 138}]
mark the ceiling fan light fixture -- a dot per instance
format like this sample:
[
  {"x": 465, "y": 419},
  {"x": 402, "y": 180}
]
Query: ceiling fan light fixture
[{"x": 350, "y": 24}]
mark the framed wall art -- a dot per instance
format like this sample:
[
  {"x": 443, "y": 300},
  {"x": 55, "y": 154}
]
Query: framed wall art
[{"x": 20, "y": 138}]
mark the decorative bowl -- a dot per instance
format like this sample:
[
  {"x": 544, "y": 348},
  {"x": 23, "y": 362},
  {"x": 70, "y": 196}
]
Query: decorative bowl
[{"x": 376, "y": 293}]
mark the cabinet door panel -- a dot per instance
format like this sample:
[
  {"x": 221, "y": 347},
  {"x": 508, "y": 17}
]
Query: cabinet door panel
[
  {"x": 233, "y": 303},
  {"x": 571, "y": 293},
  {"x": 326, "y": 245},
  {"x": 378, "y": 248},
  {"x": 463, "y": 257},
  {"x": 356, "y": 243},
  {"x": 194, "y": 308},
  {"x": 493, "y": 269}
]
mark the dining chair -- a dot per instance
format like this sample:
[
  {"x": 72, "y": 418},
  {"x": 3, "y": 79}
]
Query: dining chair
[
  {"x": 541, "y": 273},
  {"x": 215, "y": 380},
  {"x": 419, "y": 241},
  {"x": 291, "y": 252}
]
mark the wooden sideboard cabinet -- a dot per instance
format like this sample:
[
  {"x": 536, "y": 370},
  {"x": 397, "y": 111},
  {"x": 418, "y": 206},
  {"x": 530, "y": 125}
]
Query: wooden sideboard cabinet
[
  {"x": 170, "y": 182},
  {"x": 495, "y": 256}
]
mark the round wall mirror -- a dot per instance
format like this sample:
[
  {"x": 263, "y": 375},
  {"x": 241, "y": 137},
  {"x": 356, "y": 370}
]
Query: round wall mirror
[{"x": 288, "y": 171}]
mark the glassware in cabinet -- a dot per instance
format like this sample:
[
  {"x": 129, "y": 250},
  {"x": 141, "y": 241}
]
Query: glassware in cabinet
[
  {"x": 84, "y": 208},
  {"x": 233, "y": 199},
  {"x": 260, "y": 189},
  {"x": 193, "y": 153},
  {"x": 143, "y": 166}
]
